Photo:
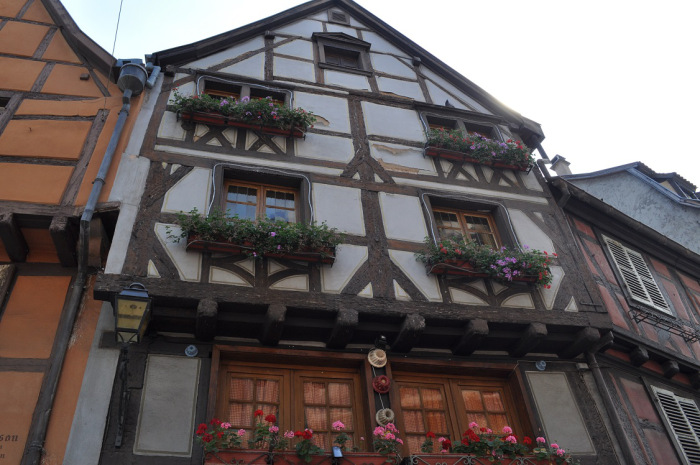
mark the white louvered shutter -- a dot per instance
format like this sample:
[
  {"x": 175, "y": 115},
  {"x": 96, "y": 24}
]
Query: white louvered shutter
[
  {"x": 684, "y": 418},
  {"x": 638, "y": 279}
]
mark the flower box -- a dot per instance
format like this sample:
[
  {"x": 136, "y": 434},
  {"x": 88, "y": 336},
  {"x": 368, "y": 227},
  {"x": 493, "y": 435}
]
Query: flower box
[
  {"x": 459, "y": 459},
  {"x": 464, "y": 268},
  {"x": 464, "y": 157},
  {"x": 324, "y": 255},
  {"x": 218, "y": 119},
  {"x": 262, "y": 457}
]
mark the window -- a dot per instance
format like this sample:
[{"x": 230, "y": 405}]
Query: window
[
  {"x": 474, "y": 226},
  {"x": 342, "y": 52},
  {"x": 252, "y": 201},
  {"x": 636, "y": 276},
  {"x": 482, "y": 128},
  {"x": 683, "y": 419},
  {"x": 447, "y": 406},
  {"x": 299, "y": 396},
  {"x": 221, "y": 89}
]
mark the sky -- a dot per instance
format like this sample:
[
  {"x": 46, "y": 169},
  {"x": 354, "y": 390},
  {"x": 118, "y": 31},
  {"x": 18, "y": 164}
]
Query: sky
[{"x": 611, "y": 82}]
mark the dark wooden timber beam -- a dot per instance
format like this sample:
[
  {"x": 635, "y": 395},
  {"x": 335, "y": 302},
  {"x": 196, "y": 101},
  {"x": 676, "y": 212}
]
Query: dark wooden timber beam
[
  {"x": 409, "y": 334},
  {"x": 532, "y": 336},
  {"x": 639, "y": 356},
  {"x": 476, "y": 332},
  {"x": 274, "y": 324},
  {"x": 695, "y": 379},
  {"x": 205, "y": 327},
  {"x": 346, "y": 322},
  {"x": 604, "y": 343},
  {"x": 168, "y": 290},
  {"x": 670, "y": 368},
  {"x": 12, "y": 238},
  {"x": 584, "y": 340},
  {"x": 65, "y": 240}
]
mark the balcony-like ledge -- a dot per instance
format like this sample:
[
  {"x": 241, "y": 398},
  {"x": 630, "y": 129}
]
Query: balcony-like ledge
[
  {"x": 463, "y": 157},
  {"x": 460, "y": 459},
  {"x": 261, "y": 457},
  {"x": 217, "y": 119},
  {"x": 464, "y": 268},
  {"x": 324, "y": 255}
]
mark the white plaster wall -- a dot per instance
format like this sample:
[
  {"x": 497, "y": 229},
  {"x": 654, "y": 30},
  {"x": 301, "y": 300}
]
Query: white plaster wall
[
  {"x": 382, "y": 120},
  {"x": 331, "y": 27},
  {"x": 452, "y": 89},
  {"x": 192, "y": 191},
  {"x": 561, "y": 417},
  {"x": 411, "y": 158},
  {"x": 333, "y": 110},
  {"x": 403, "y": 217},
  {"x": 349, "y": 258},
  {"x": 250, "y": 67},
  {"x": 188, "y": 264},
  {"x": 340, "y": 207},
  {"x": 530, "y": 181},
  {"x": 323, "y": 147},
  {"x": 170, "y": 127},
  {"x": 303, "y": 28},
  {"x": 439, "y": 96},
  {"x": 529, "y": 233},
  {"x": 381, "y": 45},
  {"x": 161, "y": 429},
  {"x": 187, "y": 88},
  {"x": 391, "y": 65},
  {"x": 460, "y": 296},
  {"x": 255, "y": 43},
  {"x": 91, "y": 411},
  {"x": 415, "y": 271},
  {"x": 550, "y": 295},
  {"x": 398, "y": 87},
  {"x": 348, "y": 80},
  {"x": 294, "y": 69},
  {"x": 296, "y": 48}
]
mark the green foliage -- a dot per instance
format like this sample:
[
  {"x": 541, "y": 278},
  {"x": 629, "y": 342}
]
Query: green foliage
[
  {"x": 218, "y": 435},
  {"x": 264, "y": 112},
  {"x": 305, "y": 448},
  {"x": 257, "y": 237},
  {"x": 481, "y": 148},
  {"x": 500, "y": 263}
]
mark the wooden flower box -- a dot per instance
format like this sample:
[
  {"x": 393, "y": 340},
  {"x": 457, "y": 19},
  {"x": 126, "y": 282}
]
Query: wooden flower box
[
  {"x": 459, "y": 459},
  {"x": 324, "y": 255},
  {"x": 218, "y": 119},
  {"x": 464, "y": 157},
  {"x": 261, "y": 457},
  {"x": 464, "y": 268}
]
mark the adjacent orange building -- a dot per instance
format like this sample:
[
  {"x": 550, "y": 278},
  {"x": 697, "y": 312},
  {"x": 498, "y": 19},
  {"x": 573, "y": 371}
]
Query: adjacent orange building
[{"x": 58, "y": 109}]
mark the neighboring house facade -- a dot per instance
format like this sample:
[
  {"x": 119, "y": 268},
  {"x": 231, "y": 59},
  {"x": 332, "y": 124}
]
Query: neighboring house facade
[
  {"x": 58, "y": 111},
  {"x": 639, "y": 233},
  {"x": 292, "y": 336}
]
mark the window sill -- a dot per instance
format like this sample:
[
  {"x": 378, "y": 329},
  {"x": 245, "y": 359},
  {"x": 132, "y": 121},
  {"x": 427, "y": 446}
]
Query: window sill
[
  {"x": 323, "y": 255},
  {"x": 464, "y": 268},
  {"x": 453, "y": 155},
  {"x": 218, "y": 119},
  {"x": 457, "y": 459},
  {"x": 344, "y": 69}
]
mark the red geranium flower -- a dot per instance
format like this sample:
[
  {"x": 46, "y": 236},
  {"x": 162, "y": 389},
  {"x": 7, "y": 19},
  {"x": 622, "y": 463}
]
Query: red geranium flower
[
  {"x": 307, "y": 434},
  {"x": 430, "y": 435},
  {"x": 527, "y": 441},
  {"x": 270, "y": 418},
  {"x": 472, "y": 435},
  {"x": 207, "y": 438},
  {"x": 297, "y": 433},
  {"x": 446, "y": 444},
  {"x": 215, "y": 421},
  {"x": 258, "y": 413},
  {"x": 201, "y": 429}
]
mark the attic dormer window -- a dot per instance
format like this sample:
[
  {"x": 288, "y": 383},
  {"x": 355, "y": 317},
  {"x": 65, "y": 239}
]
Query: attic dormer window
[{"x": 342, "y": 52}]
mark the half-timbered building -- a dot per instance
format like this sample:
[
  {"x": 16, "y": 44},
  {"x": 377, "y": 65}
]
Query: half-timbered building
[
  {"x": 638, "y": 231},
  {"x": 231, "y": 331}
]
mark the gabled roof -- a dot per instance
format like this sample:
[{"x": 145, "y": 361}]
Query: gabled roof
[
  {"x": 649, "y": 176},
  {"x": 186, "y": 53},
  {"x": 84, "y": 45}
]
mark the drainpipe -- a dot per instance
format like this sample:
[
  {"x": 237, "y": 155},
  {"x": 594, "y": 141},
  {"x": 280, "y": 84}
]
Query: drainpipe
[
  {"x": 131, "y": 81},
  {"x": 618, "y": 427}
]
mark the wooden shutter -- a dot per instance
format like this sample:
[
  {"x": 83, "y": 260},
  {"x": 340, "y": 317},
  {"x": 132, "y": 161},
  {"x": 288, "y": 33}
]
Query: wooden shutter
[
  {"x": 683, "y": 417},
  {"x": 636, "y": 275}
]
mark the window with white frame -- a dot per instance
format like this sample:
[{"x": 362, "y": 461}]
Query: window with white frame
[
  {"x": 683, "y": 419},
  {"x": 637, "y": 277}
]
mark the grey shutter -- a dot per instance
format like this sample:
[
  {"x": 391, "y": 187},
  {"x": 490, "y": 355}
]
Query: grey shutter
[
  {"x": 683, "y": 417},
  {"x": 638, "y": 279}
]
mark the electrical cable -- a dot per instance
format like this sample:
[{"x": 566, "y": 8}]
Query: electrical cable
[{"x": 114, "y": 46}]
